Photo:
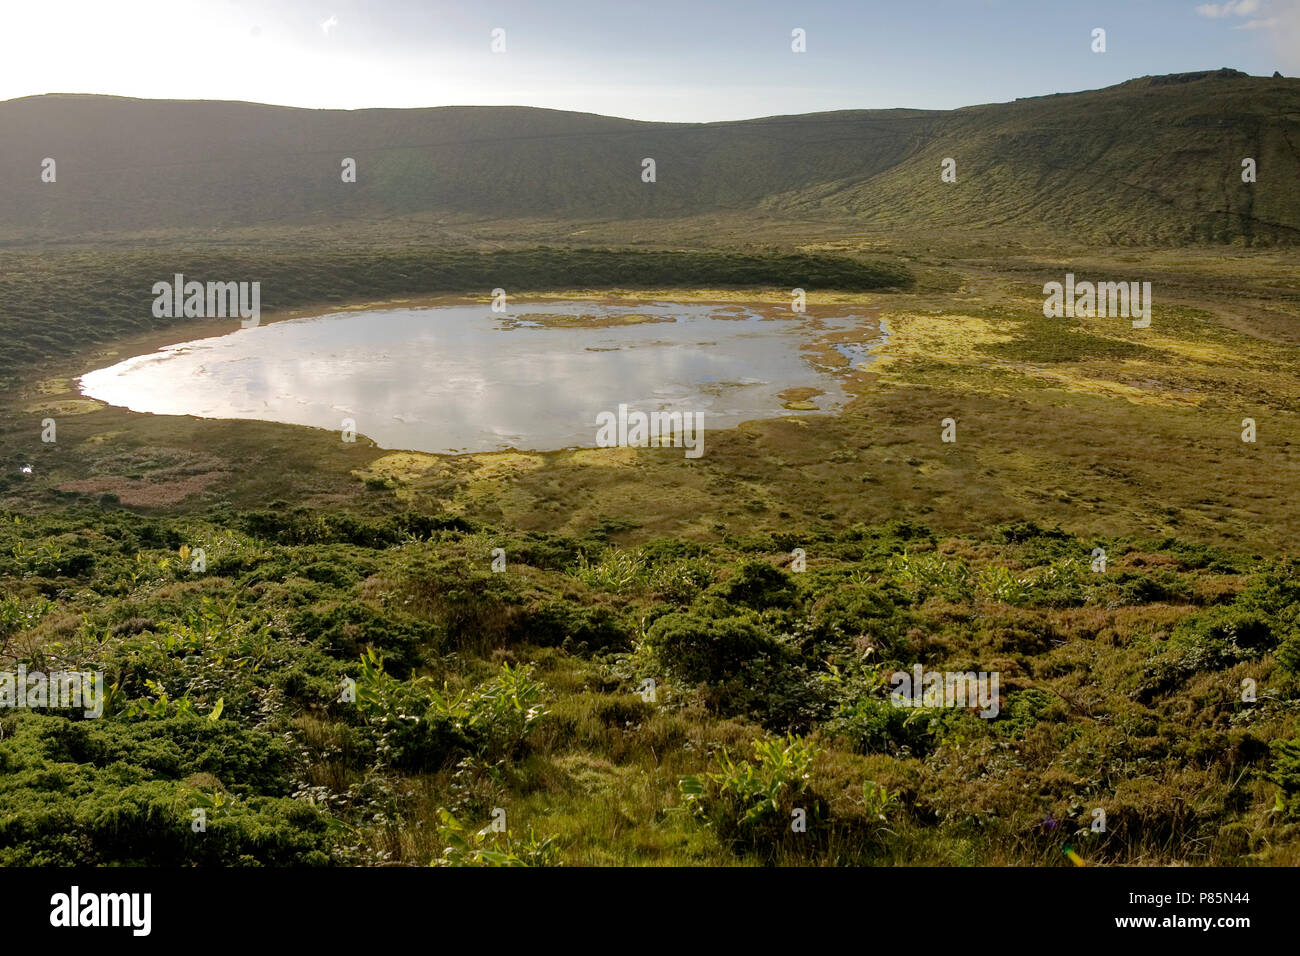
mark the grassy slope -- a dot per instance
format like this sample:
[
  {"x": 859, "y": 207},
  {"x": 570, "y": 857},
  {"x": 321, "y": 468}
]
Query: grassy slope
[
  {"x": 1151, "y": 160},
  {"x": 1146, "y": 161}
]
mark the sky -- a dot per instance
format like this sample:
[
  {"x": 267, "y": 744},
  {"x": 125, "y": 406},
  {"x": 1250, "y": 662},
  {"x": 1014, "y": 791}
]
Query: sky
[{"x": 668, "y": 60}]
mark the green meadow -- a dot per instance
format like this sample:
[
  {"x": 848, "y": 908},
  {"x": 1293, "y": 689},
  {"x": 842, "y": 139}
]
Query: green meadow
[{"x": 678, "y": 655}]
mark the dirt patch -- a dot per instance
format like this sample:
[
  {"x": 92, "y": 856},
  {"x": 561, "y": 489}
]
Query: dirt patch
[
  {"x": 152, "y": 477},
  {"x": 136, "y": 493}
]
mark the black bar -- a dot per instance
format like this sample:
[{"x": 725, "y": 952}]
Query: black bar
[{"x": 340, "y": 906}]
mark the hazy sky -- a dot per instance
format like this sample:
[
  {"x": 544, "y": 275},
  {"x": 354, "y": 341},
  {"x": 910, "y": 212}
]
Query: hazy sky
[{"x": 687, "y": 60}]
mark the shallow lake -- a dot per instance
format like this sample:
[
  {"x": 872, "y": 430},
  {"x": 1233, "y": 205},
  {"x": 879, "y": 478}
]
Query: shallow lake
[{"x": 463, "y": 378}]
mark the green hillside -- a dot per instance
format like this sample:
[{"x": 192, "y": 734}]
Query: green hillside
[
  {"x": 1152, "y": 160},
  {"x": 1148, "y": 160}
]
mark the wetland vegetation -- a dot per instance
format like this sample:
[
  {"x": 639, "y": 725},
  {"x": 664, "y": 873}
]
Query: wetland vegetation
[{"x": 524, "y": 690}]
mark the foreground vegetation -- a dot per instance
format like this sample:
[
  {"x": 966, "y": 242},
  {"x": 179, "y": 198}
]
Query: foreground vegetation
[{"x": 524, "y": 690}]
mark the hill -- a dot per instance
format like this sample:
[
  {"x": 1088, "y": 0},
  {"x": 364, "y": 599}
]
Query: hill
[{"x": 1152, "y": 160}]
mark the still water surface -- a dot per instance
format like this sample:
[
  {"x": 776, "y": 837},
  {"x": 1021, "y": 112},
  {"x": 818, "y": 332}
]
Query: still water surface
[{"x": 462, "y": 378}]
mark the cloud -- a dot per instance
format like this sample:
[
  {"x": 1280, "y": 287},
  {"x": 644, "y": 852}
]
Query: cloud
[
  {"x": 1275, "y": 22},
  {"x": 1233, "y": 8},
  {"x": 329, "y": 24},
  {"x": 1285, "y": 34}
]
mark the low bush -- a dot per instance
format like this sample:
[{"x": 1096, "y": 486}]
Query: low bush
[
  {"x": 752, "y": 804},
  {"x": 710, "y": 650},
  {"x": 422, "y": 727}
]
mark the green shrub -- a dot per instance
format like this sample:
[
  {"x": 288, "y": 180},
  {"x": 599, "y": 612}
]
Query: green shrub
[
  {"x": 1066, "y": 582},
  {"x": 487, "y": 847},
  {"x": 1151, "y": 588},
  {"x": 1285, "y": 772},
  {"x": 681, "y": 581},
  {"x": 1228, "y": 633},
  {"x": 1275, "y": 593},
  {"x": 1023, "y": 709},
  {"x": 547, "y": 551},
  {"x": 345, "y": 628},
  {"x": 476, "y": 606},
  {"x": 331, "y": 573},
  {"x": 60, "y": 563},
  {"x": 616, "y": 571},
  {"x": 875, "y": 725},
  {"x": 758, "y": 586},
  {"x": 102, "y": 792},
  {"x": 423, "y": 727},
  {"x": 560, "y": 623},
  {"x": 931, "y": 573},
  {"x": 751, "y": 803},
  {"x": 1212, "y": 640},
  {"x": 709, "y": 650},
  {"x": 18, "y": 615},
  {"x": 1024, "y": 532},
  {"x": 248, "y": 761},
  {"x": 1288, "y": 655},
  {"x": 858, "y": 611}
]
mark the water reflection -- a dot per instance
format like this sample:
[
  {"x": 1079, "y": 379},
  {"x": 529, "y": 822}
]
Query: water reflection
[{"x": 462, "y": 378}]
